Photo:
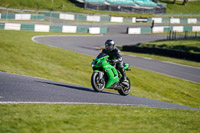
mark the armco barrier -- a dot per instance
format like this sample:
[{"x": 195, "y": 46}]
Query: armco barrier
[
  {"x": 2, "y": 25},
  {"x": 53, "y": 28},
  {"x": 98, "y": 18},
  {"x": 163, "y": 52},
  {"x": 162, "y": 29},
  {"x": 23, "y": 16},
  {"x": 29, "y": 27}
]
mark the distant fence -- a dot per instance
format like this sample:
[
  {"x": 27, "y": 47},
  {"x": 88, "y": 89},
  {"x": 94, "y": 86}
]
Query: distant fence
[
  {"x": 53, "y": 28},
  {"x": 173, "y": 35}
]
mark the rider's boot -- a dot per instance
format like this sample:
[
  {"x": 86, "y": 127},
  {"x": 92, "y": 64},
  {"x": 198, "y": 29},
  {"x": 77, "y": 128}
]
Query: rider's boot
[{"x": 122, "y": 71}]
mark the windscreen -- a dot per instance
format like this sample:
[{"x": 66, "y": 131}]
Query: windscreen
[{"x": 101, "y": 55}]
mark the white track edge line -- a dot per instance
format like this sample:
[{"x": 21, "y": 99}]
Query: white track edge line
[
  {"x": 87, "y": 103},
  {"x": 64, "y": 36},
  {"x": 76, "y": 103}
]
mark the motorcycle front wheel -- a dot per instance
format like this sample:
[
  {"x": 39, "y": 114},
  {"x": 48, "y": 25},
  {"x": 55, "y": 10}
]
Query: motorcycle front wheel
[{"x": 97, "y": 84}]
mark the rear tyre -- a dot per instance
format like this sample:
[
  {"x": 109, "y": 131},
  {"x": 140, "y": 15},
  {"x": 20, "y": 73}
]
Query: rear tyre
[
  {"x": 125, "y": 90},
  {"x": 97, "y": 84}
]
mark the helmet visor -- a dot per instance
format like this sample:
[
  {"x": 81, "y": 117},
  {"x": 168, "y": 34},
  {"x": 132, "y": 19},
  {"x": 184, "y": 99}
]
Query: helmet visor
[{"x": 109, "y": 47}]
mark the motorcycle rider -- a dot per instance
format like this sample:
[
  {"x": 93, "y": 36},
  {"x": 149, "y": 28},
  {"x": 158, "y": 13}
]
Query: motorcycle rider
[{"x": 115, "y": 56}]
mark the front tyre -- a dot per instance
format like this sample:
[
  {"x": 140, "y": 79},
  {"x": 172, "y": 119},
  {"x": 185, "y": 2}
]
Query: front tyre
[
  {"x": 97, "y": 84},
  {"x": 125, "y": 90}
]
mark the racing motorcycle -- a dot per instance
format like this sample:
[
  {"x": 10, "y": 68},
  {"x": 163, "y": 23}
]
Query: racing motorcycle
[{"x": 105, "y": 75}]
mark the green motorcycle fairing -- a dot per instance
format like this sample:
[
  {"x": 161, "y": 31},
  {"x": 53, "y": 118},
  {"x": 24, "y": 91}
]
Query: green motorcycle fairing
[{"x": 101, "y": 64}]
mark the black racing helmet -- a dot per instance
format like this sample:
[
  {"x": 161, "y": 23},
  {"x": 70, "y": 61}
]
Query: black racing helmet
[{"x": 110, "y": 45}]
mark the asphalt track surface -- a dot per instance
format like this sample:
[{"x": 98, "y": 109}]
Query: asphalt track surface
[{"x": 16, "y": 89}]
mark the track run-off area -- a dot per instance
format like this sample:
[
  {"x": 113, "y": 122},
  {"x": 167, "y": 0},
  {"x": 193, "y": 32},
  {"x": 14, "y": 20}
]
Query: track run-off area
[{"x": 18, "y": 89}]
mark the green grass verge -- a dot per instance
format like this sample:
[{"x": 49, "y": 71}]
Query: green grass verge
[
  {"x": 18, "y": 54},
  {"x": 191, "y": 7},
  {"x": 22, "y": 56},
  {"x": 96, "y": 119},
  {"x": 191, "y": 45}
]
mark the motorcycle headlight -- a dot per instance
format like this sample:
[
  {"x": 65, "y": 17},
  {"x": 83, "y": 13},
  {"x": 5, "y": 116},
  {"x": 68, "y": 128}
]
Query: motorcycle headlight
[{"x": 92, "y": 65}]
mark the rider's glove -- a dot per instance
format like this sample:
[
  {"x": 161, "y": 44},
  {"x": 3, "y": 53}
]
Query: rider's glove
[
  {"x": 108, "y": 60},
  {"x": 114, "y": 61}
]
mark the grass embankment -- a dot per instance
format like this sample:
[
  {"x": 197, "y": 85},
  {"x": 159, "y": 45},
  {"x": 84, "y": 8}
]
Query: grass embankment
[
  {"x": 96, "y": 119},
  {"x": 67, "y": 5},
  {"x": 18, "y": 54},
  {"x": 192, "y": 7}
]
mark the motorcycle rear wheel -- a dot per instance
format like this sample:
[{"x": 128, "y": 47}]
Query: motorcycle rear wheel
[
  {"x": 125, "y": 90},
  {"x": 97, "y": 84}
]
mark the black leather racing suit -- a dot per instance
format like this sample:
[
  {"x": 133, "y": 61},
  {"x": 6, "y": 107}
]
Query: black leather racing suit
[{"x": 116, "y": 56}]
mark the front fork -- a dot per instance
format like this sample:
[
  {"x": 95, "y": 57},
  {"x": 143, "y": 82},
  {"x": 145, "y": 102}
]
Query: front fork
[{"x": 100, "y": 75}]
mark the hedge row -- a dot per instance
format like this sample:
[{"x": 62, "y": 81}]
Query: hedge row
[{"x": 163, "y": 52}]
